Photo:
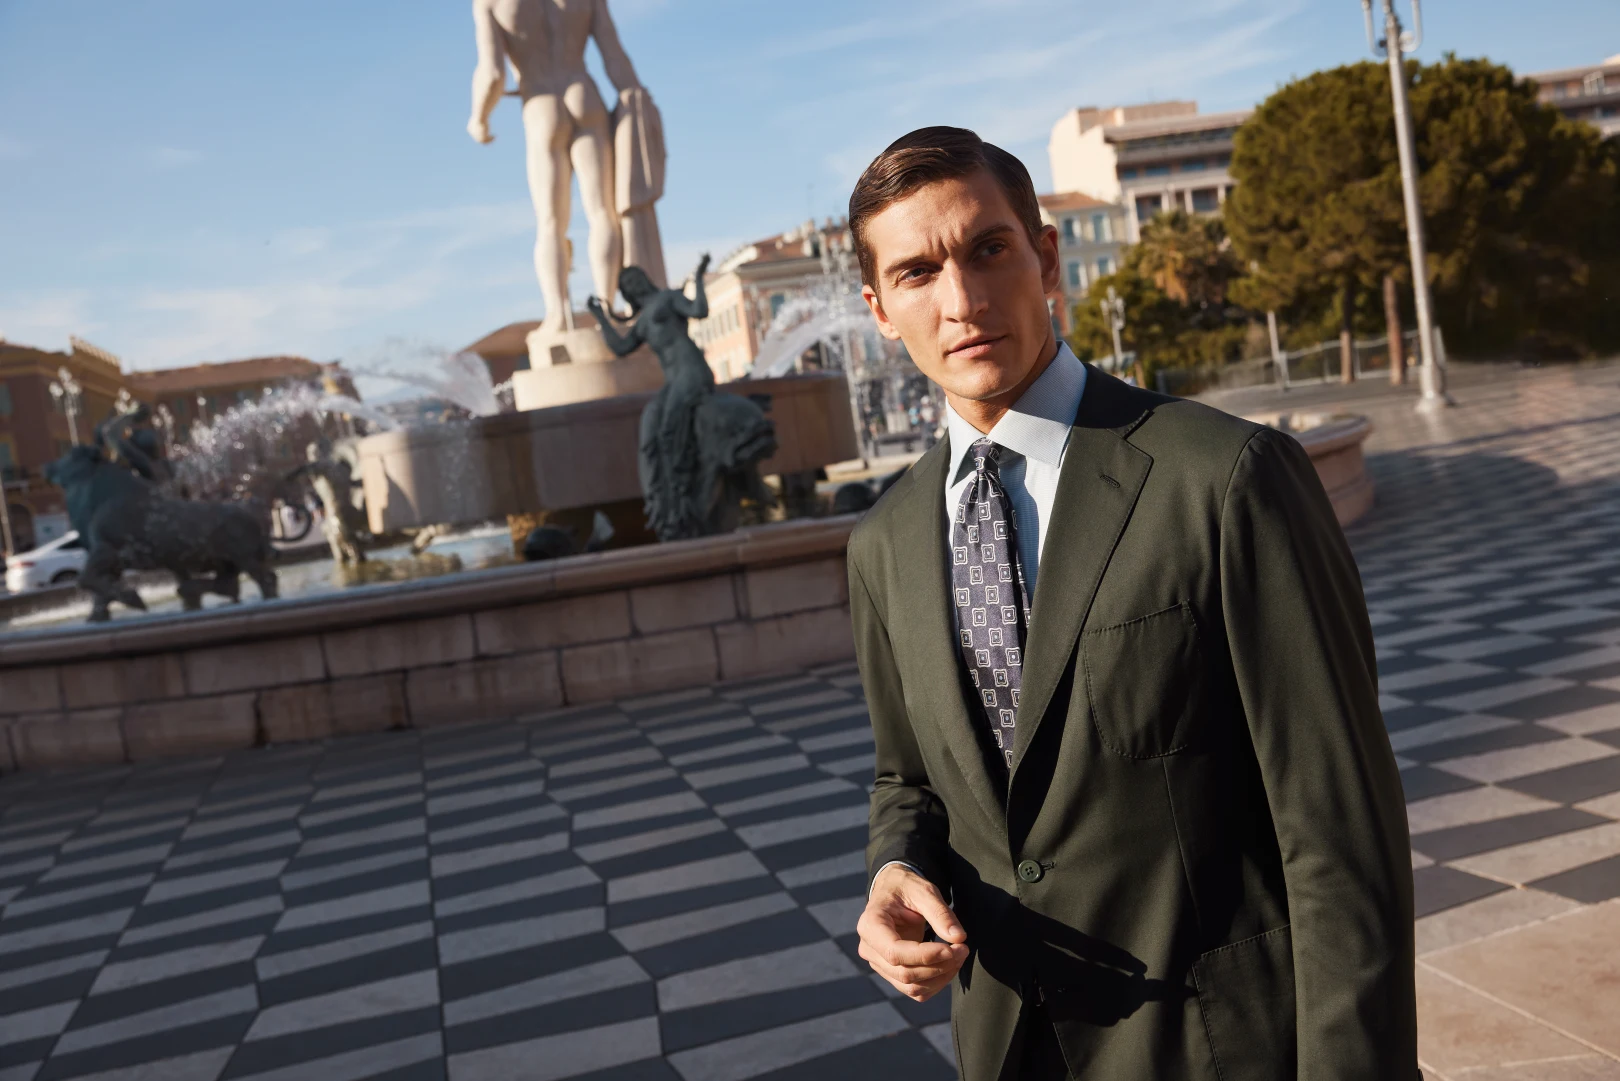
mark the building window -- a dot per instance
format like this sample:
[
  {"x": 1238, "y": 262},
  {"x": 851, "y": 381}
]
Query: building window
[
  {"x": 1105, "y": 265},
  {"x": 1194, "y": 165},
  {"x": 5, "y": 399},
  {"x": 1593, "y": 83},
  {"x": 1075, "y": 281},
  {"x": 1156, "y": 170},
  {"x": 1146, "y": 207},
  {"x": 1102, "y": 231},
  {"x": 1206, "y": 200},
  {"x": 8, "y": 464},
  {"x": 1128, "y": 174},
  {"x": 777, "y": 299},
  {"x": 1069, "y": 233}
]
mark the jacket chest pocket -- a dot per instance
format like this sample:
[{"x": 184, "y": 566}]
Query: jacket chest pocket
[{"x": 1145, "y": 681}]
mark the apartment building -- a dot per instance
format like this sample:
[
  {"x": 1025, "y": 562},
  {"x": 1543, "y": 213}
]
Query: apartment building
[
  {"x": 1091, "y": 233},
  {"x": 1590, "y": 94}
]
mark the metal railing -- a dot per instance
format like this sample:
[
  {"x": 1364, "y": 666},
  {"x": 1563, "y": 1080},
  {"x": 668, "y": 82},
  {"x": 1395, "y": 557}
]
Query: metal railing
[{"x": 1313, "y": 365}]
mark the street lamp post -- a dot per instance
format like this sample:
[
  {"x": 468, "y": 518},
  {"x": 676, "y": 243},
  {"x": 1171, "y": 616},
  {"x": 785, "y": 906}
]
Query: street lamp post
[
  {"x": 1395, "y": 44},
  {"x": 68, "y": 394},
  {"x": 1113, "y": 310}
]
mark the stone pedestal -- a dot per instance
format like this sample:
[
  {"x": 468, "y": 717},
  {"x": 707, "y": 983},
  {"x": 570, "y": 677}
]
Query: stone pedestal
[{"x": 567, "y": 366}]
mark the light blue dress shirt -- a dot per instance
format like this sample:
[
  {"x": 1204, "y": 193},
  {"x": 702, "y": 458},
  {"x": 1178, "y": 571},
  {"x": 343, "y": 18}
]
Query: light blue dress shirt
[{"x": 1035, "y": 433}]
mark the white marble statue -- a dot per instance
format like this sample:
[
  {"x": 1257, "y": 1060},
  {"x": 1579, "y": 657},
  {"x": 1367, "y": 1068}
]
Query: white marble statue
[{"x": 570, "y": 131}]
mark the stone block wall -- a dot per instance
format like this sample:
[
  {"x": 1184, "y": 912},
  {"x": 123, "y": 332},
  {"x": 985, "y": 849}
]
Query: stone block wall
[{"x": 475, "y": 647}]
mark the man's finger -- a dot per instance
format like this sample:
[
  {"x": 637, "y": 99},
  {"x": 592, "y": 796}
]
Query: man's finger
[{"x": 925, "y": 900}]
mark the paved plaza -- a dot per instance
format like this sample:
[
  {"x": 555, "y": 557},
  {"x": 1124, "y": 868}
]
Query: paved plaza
[{"x": 667, "y": 888}]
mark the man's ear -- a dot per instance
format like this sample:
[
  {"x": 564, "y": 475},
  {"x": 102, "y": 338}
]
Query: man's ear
[
  {"x": 1046, "y": 247},
  {"x": 885, "y": 328}
]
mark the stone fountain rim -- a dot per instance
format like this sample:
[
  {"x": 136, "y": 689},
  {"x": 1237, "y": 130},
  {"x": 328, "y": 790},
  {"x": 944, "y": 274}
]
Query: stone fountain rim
[{"x": 501, "y": 587}]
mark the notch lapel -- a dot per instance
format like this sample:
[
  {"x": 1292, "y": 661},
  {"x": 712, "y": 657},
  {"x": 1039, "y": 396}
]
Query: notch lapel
[
  {"x": 929, "y": 631},
  {"x": 1102, "y": 476}
]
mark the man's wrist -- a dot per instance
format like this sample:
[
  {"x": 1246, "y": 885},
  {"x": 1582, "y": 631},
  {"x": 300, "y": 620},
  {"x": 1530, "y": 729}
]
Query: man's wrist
[{"x": 885, "y": 867}]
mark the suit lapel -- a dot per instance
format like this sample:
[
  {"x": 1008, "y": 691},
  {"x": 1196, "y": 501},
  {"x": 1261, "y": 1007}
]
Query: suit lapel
[
  {"x": 1102, "y": 476},
  {"x": 930, "y": 629}
]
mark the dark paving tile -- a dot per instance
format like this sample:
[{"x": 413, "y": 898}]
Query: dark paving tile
[
  {"x": 648, "y": 1069},
  {"x": 1497, "y": 739},
  {"x": 722, "y": 1020},
  {"x": 723, "y": 843},
  {"x": 503, "y": 970},
  {"x": 906, "y": 1054},
  {"x": 811, "y": 849},
  {"x": 351, "y": 972},
  {"x": 1460, "y": 841},
  {"x": 1438, "y": 888},
  {"x": 285, "y": 1052},
  {"x": 1421, "y": 782},
  {"x": 1590, "y": 883},
  {"x": 1437, "y": 692},
  {"x": 1555, "y": 703},
  {"x": 778, "y": 932},
  {"x": 569, "y": 1015},
  {"x": 625, "y": 913},
  {"x": 150, "y": 996},
  {"x": 1572, "y": 784},
  {"x": 169, "y": 1043}
]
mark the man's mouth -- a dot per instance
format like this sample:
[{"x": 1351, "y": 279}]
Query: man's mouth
[{"x": 975, "y": 347}]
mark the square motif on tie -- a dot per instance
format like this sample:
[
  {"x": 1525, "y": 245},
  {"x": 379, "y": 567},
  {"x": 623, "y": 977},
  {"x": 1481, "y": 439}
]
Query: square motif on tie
[
  {"x": 992, "y": 594},
  {"x": 988, "y": 697},
  {"x": 1004, "y": 572},
  {"x": 1009, "y": 614},
  {"x": 987, "y": 553},
  {"x": 973, "y": 674},
  {"x": 995, "y": 636},
  {"x": 983, "y": 657},
  {"x": 978, "y": 617},
  {"x": 960, "y": 513},
  {"x": 1015, "y": 697},
  {"x": 975, "y": 574},
  {"x": 1015, "y": 656},
  {"x": 1000, "y": 674},
  {"x": 966, "y": 637},
  {"x": 1006, "y": 718},
  {"x": 1001, "y": 531},
  {"x": 964, "y": 598},
  {"x": 999, "y": 744},
  {"x": 973, "y": 534},
  {"x": 960, "y": 554},
  {"x": 984, "y": 512}
]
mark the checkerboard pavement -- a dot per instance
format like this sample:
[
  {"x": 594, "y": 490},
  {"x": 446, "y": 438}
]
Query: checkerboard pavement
[{"x": 666, "y": 888}]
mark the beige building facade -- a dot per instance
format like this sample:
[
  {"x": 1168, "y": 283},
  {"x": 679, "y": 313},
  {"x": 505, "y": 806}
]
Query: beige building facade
[
  {"x": 1147, "y": 158},
  {"x": 1590, "y": 94},
  {"x": 1091, "y": 234}
]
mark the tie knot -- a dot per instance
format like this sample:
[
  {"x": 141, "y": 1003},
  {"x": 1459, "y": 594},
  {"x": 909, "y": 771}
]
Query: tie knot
[{"x": 985, "y": 454}]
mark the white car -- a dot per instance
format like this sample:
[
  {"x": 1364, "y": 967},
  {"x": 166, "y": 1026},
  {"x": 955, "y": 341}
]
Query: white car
[{"x": 54, "y": 564}]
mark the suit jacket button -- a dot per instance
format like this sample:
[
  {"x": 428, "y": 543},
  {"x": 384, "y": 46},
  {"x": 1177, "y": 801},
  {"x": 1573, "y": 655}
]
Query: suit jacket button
[{"x": 1030, "y": 871}]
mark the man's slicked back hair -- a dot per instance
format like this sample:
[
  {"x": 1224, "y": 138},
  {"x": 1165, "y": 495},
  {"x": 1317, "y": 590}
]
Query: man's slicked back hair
[{"x": 923, "y": 157}]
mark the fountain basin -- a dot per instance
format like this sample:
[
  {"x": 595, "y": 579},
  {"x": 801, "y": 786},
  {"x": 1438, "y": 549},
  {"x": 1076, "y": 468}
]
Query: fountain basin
[
  {"x": 1335, "y": 443},
  {"x": 578, "y": 455},
  {"x": 473, "y": 647}
]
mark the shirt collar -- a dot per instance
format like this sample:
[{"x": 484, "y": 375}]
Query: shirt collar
[{"x": 1038, "y": 424}]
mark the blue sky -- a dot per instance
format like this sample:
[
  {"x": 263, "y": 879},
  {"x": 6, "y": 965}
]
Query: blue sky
[{"x": 184, "y": 181}]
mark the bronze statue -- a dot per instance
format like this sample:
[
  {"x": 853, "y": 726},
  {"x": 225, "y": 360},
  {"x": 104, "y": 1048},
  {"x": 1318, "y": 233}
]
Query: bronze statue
[{"x": 699, "y": 449}]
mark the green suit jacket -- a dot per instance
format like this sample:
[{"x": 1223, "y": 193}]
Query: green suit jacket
[{"x": 1200, "y": 857}]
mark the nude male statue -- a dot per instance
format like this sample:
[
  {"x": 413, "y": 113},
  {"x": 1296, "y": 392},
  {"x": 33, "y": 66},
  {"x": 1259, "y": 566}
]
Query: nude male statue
[{"x": 567, "y": 126}]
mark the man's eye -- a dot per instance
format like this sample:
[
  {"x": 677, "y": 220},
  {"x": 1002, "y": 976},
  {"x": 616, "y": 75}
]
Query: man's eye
[
  {"x": 914, "y": 273},
  {"x": 995, "y": 247}
]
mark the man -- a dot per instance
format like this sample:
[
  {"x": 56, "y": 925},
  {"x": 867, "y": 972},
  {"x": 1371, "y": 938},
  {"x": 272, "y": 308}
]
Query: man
[{"x": 1134, "y": 799}]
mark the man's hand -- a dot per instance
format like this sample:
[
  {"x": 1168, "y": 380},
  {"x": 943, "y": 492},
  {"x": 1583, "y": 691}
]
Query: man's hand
[
  {"x": 703, "y": 264},
  {"x": 479, "y": 130},
  {"x": 901, "y": 909}
]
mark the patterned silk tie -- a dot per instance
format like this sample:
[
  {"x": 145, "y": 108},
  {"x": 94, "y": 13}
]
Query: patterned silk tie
[{"x": 992, "y": 606}]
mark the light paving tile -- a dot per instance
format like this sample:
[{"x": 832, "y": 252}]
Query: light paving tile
[
  {"x": 849, "y": 710},
  {"x": 246, "y": 847},
  {"x": 525, "y": 767},
  {"x": 476, "y": 859},
  {"x": 638, "y": 810},
  {"x": 29, "y": 843},
  {"x": 125, "y": 974},
  {"x": 36, "y": 1023},
  {"x": 314, "y": 819},
  {"x": 413, "y": 991},
  {"x": 643, "y": 842},
  {"x": 485, "y": 827},
  {"x": 142, "y": 808},
  {"x": 213, "y": 827},
  {"x": 14, "y": 976},
  {"x": 1488, "y": 646},
  {"x": 838, "y": 917},
  {"x": 748, "y": 1056},
  {"x": 214, "y": 917},
  {"x": 685, "y": 876},
  {"x": 171, "y": 889},
  {"x": 1487, "y": 916},
  {"x": 484, "y": 796},
  {"x": 330, "y": 793},
  {"x": 374, "y": 1061},
  {"x": 301, "y": 880},
  {"x": 1425, "y": 633},
  {"x": 1607, "y": 806},
  {"x": 851, "y": 737},
  {"x": 592, "y": 789},
  {"x": 507, "y": 749},
  {"x": 342, "y": 842},
  {"x": 743, "y": 771},
  {"x": 590, "y": 979},
  {"x": 636, "y": 756},
  {"x": 369, "y": 903},
  {"x": 102, "y": 923},
  {"x": 152, "y": 855},
  {"x": 1485, "y": 700},
  {"x": 1389, "y": 702},
  {"x": 237, "y": 1000},
  {"x": 813, "y": 963},
  {"x": 807, "y": 874},
  {"x": 108, "y": 838},
  {"x": 1470, "y": 806},
  {"x": 1460, "y": 1030},
  {"x": 566, "y": 1054},
  {"x": 1550, "y": 621},
  {"x": 660, "y": 932},
  {"x": 43, "y": 902},
  {"x": 940, "y": 1039},
  {"x": 1576, "y": 662},
  {"x": 18, "y": 868},
  {"x": 1584, "y": 722},
  {"x": 35, "y": 824},
  {"x": 663, "y": 737},
  {"x": 456, "y": 947},
  {"x": 276, "y": 965},
  {"x": 1466, "y": 724},
  {"x": 844, "y": 767},
  {"x": 201, "y": 1066},
  {"x": 1527, "y": 862},
  {"x": 727, "y": 750},
  {"x": 1511, "y": 762},
  {"x": 511, "y": 892},
  {"x": 765, "y": 834},
  {"x": 827, "y": 786},
  {"x": 776, "y": 705}
]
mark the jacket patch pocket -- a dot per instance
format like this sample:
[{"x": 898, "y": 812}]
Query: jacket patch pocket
[
  {"x": 1145, "y": 681},
  {"x": 1246, "y": 994}
]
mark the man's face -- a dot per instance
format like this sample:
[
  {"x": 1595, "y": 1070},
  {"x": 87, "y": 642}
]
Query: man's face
[{"x": 960, "y": 283}]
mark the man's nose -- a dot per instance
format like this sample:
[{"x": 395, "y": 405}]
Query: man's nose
[{"x": 962, "y": 299}]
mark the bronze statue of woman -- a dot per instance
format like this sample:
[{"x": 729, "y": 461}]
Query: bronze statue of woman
[{"x": 698, "y": 449}]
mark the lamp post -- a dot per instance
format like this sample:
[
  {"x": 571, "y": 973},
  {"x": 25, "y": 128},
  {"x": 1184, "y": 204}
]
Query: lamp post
[
  {"x": 1395, "y": 44},
  {"x": 1113, "y": 311},
  {"x": 68, "y": 394}
]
